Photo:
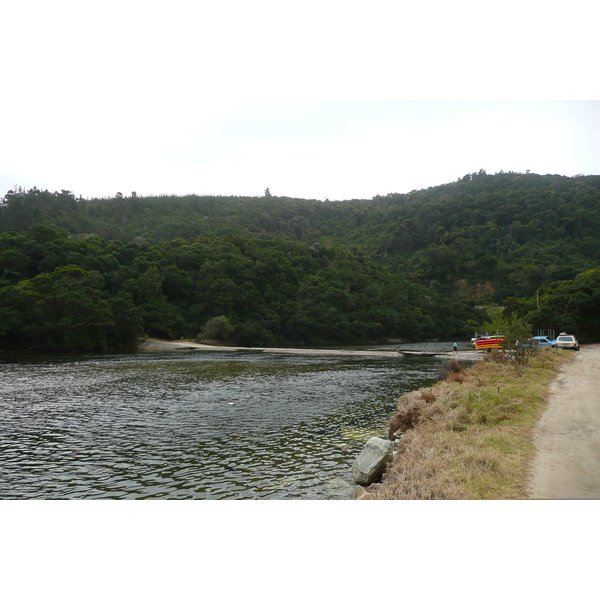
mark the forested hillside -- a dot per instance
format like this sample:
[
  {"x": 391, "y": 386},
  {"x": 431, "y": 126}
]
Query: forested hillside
[
  {"x": 97, "y": 273},
  {"x": 59, "y": 293}
]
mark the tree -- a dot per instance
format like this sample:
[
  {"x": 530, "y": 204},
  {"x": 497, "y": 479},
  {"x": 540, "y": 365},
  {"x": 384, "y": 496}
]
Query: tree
[
  {"x": 217, "y": 328},
  {"x": 62, "y": 310},
  {"x": 517, "y": 338},
  {"x": 158, "y": 316},
  {"x": 127, "y": 325}
]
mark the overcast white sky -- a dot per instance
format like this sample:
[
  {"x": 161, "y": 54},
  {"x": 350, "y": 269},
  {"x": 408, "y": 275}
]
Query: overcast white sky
[{"x": 313, "y": 99}]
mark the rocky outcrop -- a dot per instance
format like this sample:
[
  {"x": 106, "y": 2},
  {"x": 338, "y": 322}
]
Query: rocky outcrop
[{"x": 371, "y": 462}]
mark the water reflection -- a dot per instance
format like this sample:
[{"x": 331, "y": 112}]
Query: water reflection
[{"x": 192, "y": 425}]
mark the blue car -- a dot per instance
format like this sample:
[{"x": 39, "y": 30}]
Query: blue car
[{"x": 543, "y": 340}]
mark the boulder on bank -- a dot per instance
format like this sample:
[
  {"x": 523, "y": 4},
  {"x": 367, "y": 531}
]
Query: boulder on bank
[
  {"x": 371, "y": 462},
  {"x": 338, "y": 488}
]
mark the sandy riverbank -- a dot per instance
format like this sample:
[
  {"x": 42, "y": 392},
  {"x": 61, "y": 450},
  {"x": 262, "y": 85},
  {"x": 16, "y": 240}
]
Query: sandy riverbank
[{"x": 153, "y": 344}]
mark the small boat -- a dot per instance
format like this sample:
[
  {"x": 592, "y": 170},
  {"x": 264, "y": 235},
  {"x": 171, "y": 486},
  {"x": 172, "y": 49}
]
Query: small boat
[
  {"x": 485, "y": 341},
  {"x": 489, "y": 343},
  {"x": 416, "y": 353}
]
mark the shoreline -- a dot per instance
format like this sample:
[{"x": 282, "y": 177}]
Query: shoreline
[
  {"x": 154, "y": 344},
  {"x": 479, "y": 435}
]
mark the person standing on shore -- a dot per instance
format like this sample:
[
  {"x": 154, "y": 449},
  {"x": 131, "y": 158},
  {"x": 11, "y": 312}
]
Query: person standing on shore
[{"x": 455, "y": 347}]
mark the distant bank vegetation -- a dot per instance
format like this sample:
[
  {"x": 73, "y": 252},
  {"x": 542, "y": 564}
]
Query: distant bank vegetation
[{"x": 81, "y": 274}]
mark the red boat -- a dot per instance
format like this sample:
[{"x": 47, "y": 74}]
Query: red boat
[{"x": 488, "y": 342}]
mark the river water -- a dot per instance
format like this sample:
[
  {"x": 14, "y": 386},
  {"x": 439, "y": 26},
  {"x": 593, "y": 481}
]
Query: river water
[{"x": 193, "y": 425}]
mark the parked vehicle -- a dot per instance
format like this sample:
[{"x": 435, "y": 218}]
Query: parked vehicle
[
  {"x": 542, "y": 341},
  {"x": 567, "y": 342}
]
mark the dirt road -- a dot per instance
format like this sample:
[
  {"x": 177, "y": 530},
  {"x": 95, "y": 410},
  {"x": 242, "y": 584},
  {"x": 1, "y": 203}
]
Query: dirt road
[{"x": 567, "y": 464}]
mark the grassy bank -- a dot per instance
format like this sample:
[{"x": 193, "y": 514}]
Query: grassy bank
[{"x": 471, "y": 435}]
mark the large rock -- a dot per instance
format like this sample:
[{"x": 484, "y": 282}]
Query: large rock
[
  {"x": 371, "y": 462},
  {"x": 338, "y": 488}
]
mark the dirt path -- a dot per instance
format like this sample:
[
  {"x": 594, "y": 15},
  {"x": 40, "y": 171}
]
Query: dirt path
[{"x": 567, "y": 464}]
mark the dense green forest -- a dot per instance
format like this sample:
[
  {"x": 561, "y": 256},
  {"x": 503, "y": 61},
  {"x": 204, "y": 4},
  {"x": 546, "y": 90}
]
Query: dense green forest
[
  {"x": 93, "y": 274},
  {"x": 60, "y": 293}
]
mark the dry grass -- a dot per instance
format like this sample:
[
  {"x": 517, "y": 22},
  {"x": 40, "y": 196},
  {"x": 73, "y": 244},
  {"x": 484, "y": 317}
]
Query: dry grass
[
  {"x": 455, "y": 372},
  {"x": 471, "y": 435}
]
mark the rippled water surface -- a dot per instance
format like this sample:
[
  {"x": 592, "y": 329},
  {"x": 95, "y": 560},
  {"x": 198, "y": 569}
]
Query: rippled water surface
[{"x": 193, "y": 425}]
